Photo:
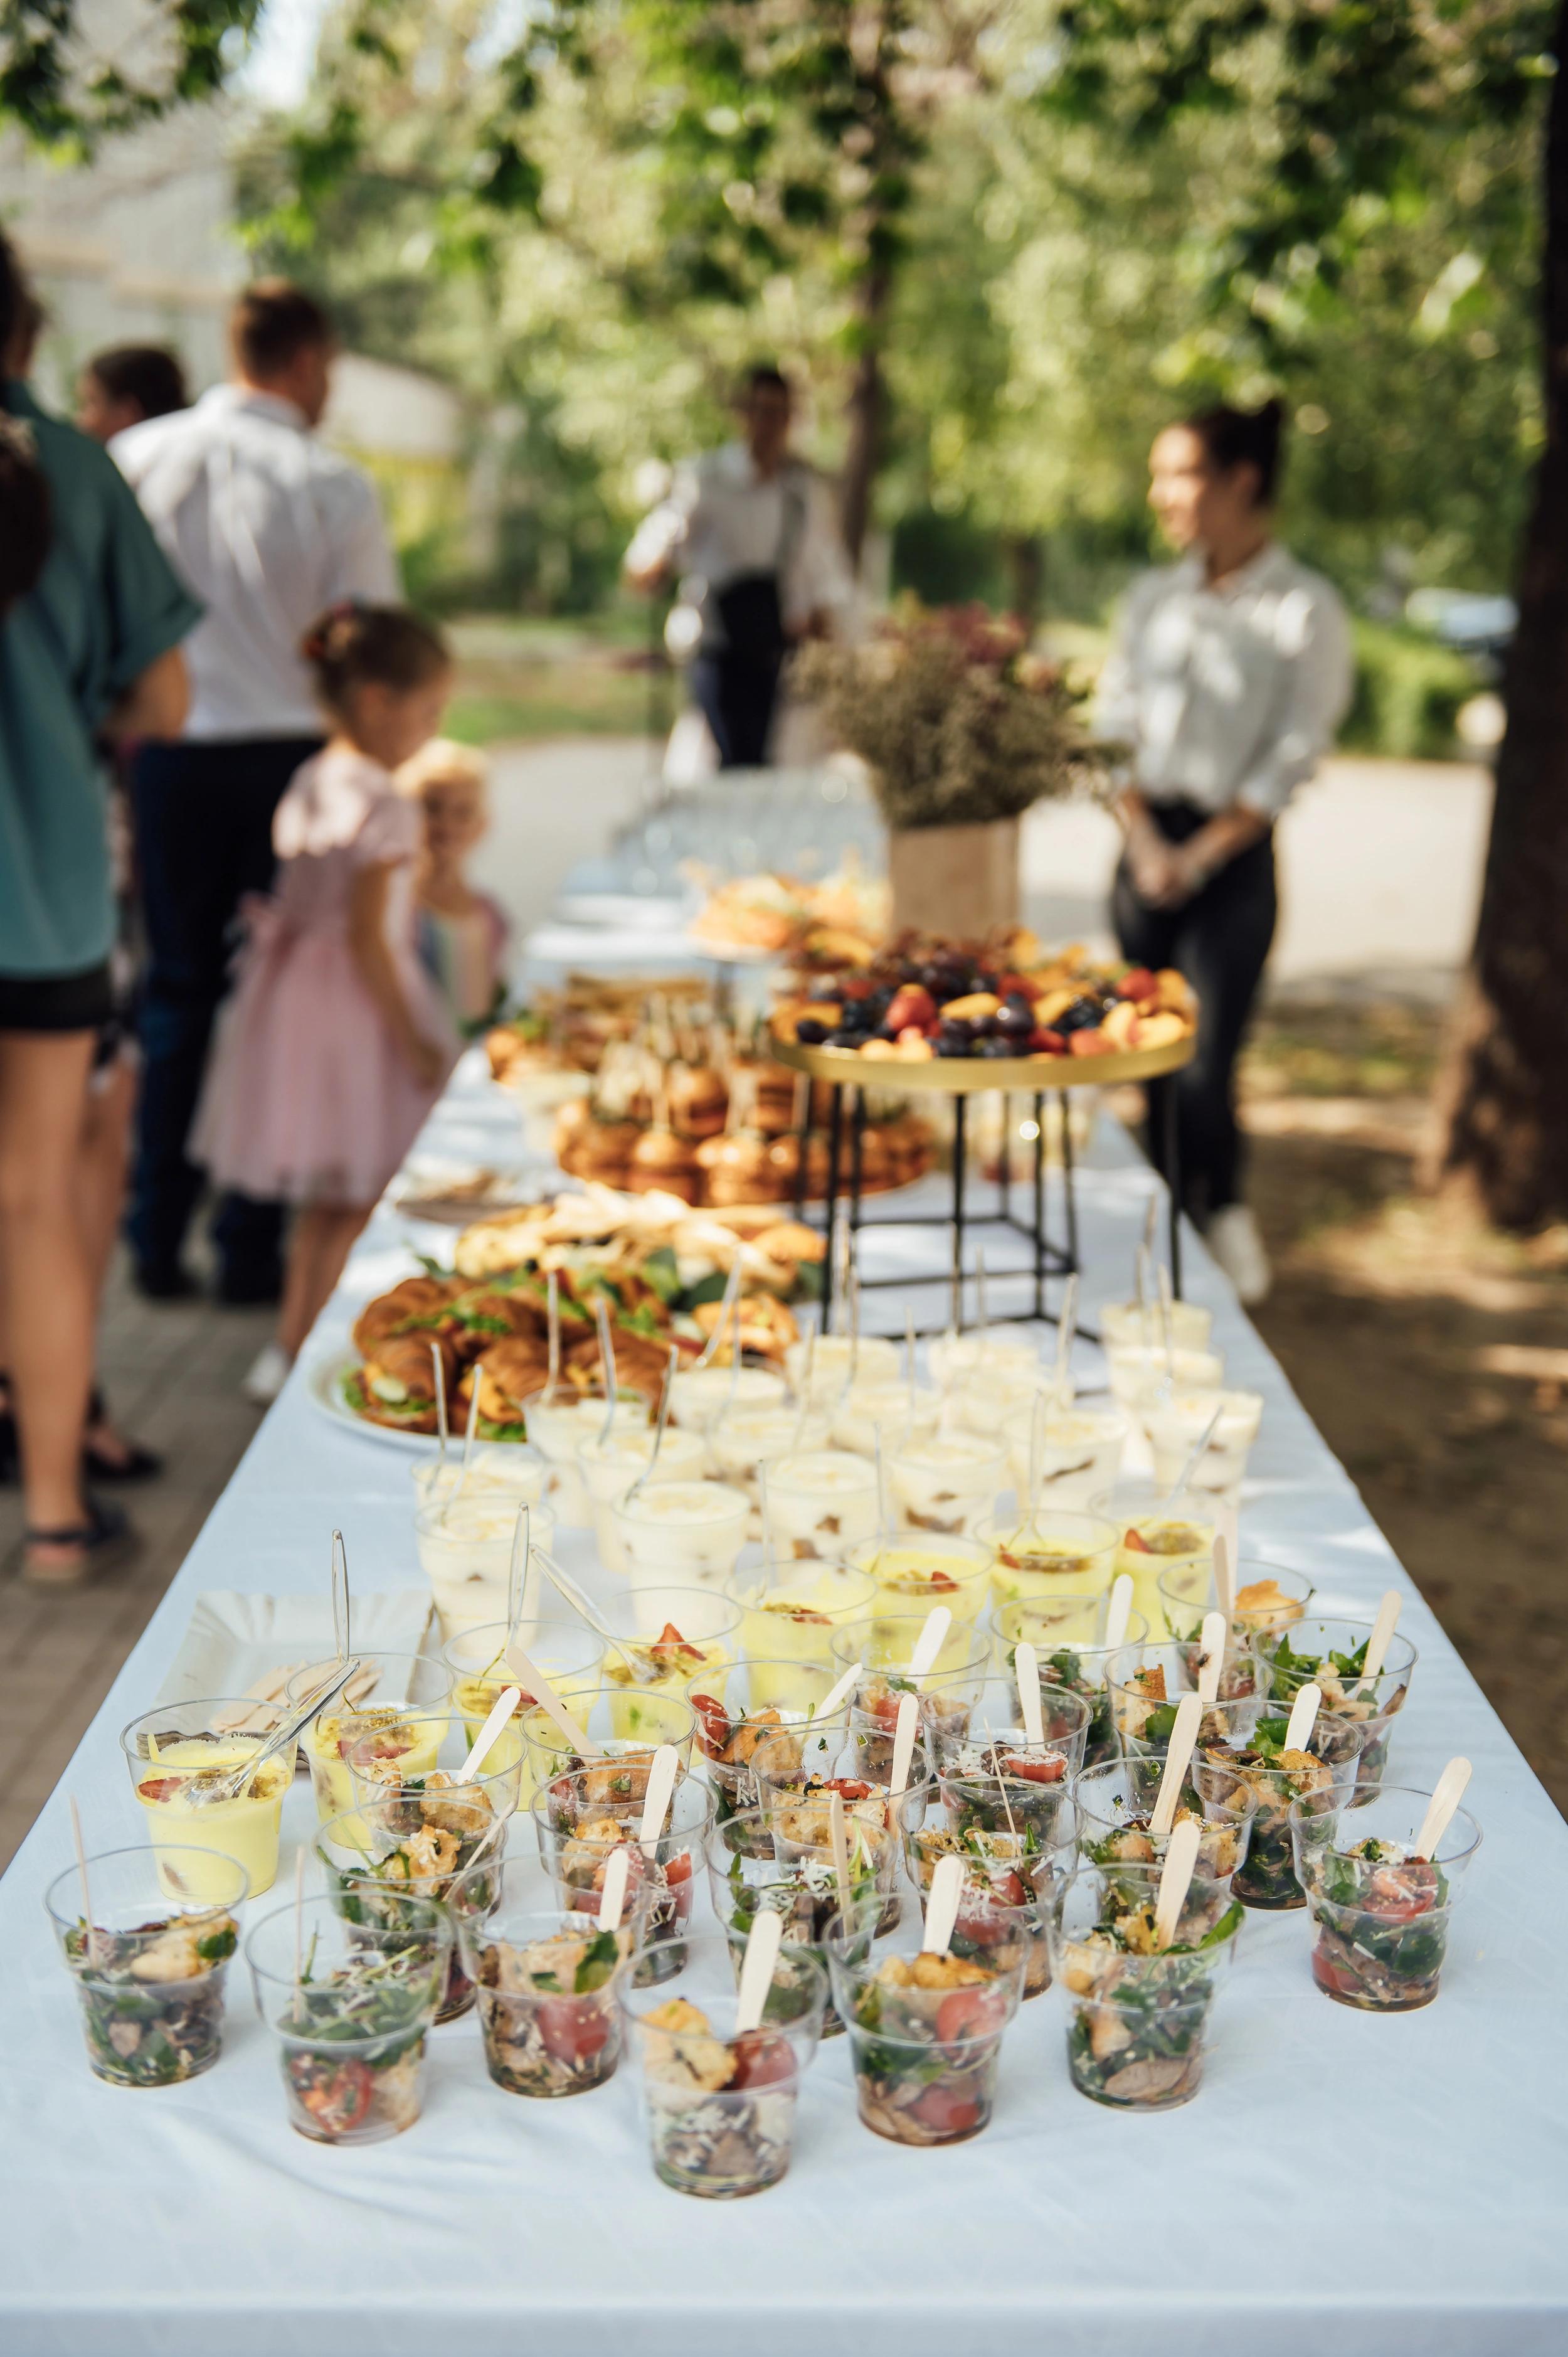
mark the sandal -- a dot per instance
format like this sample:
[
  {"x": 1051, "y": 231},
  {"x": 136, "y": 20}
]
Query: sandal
[
  {"x": 96, "y": 1545},
  {"x": 137, "y": 1464}
]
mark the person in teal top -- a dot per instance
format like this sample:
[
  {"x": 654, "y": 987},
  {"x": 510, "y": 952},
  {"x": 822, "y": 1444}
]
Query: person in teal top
[{"x": 90, "y": 653}]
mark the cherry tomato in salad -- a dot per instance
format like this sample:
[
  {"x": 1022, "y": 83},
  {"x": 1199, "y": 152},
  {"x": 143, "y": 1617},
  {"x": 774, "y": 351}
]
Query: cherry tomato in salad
[
  {"x": 337, "y": 2094},
  {"x": 762, "y": 2059},
  {"x": 949, "y": 2111},
  {"x": 1035, "y": 1771},
  {"x": 848, "y": 1788},
  {"x": 574, "y": 2029},
  {"x": 712, "y": 1726},
  {"x": 966, "y": 2013},
  {"x": 1334, "y": 1977}
]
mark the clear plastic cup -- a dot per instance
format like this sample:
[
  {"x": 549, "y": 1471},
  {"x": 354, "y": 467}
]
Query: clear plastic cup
[
  {"x": 683, "y": 1532},
  {"x": 1381, "y": 1913},
  {"x": 837, "y": 1361},
  {"x": 753, "y": 1437},
  {"x": 913, "y": 1571},
  {"x": 149, "y": 1973},
  {"x": 1009, "y": 1882},
  {"x": 417, "y": 1845},
  {"x": 1176, "y": 1424},
  {"x": 719, "y": 2101},
  {"x": 1269, "y": 1597},
  {"x": 1158, "y": 1530},
  {"x": 1116, "y": 1800},
  {"x": 747, "y": 1878},
  {"x": 997, "y": 1747},
  {"x": 400, "y": 1682},
  {"x": 1146, "y": 1683},
  {"x": 955, "y": 1357},
  {"x": 558, "y": 1423},
  {"x": 627, "y": 1728},
  {"x": 764, "y": 1713},
  {"x": 885, "y": 1645},
  {"x": 820, "y": 1503},
  {"x": 465, "y": 1551},
  {"x": 1329, "y": 1651},
  {"x": 1064, "y": 1457},
  {"x": 174, "y": 1756},
  {"x": 352, "y": 2008},
  {"x": 563, "y": 1647},
  {"x": 578, "y": 1832},
  {"x": 546, "y": 1978},
  {"x": 799, "y": 1809},
  {"x": 1136, "y": 1325},
  {"x": 1067, "y": 1634},
  {"x": 869, "y": 1412},
  {"x": 1054, "y": 1551},
  {"x": 925, "y": 2033},
  {"x": 608, "y": 1468},
  {"x": 669, "y": 1637},
  {"x": 1322, "y": 1778},
  {"x": 379, "y": 1771},
  {"x": 948, "y": 1484},
  {"x": 512, "y": 1469},
  {"x": 1140, "y": 1375},
  {"x": 1139, "y": 2016},
  {"x": 790, "y": 1610},
  {"x": 699, "y": 1396}
]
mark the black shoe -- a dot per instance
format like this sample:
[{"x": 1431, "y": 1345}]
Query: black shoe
[
  {"x": 249, "y": 1289},
  {"x": 164, "y": 1281},
  {"x": 98, "y": 1545},
  {"x": 137, "y": 1464}
]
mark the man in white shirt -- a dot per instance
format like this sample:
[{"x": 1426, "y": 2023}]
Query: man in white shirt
[
  {"x": 753, "y": 530},
  {"x": 267, "y": 529}
]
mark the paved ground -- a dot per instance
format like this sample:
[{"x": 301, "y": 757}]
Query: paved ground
[{"x": 1381, "y": 864}]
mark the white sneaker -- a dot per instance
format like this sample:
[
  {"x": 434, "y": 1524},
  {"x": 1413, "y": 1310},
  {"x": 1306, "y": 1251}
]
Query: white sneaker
[
  {"x": 267, "y": 1376},
  {"x": 1232, "y": 1237}
]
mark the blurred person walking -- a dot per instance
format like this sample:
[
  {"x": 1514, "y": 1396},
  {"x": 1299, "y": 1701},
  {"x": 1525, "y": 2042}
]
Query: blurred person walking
[
  {"x": 125, "y": 386},
  {"x": 336, "y": 1044},
  {"x": 89, "y": 648},
  {"x": 268, "y": 530},
  {"x": 462, "y": 931},
  {"x": 1230, "y": 672},
  {"x": 751, "y": 531}
]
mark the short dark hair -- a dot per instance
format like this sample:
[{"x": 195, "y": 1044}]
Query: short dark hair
[
  {"x": 355, "y": 645},
  {"x": 17, "y": 303},
  {"x": 766, "y": 376},
  {"x": 271, "y": 323},
  {"x": 145, "y": 373},
  {"x": 1243, "y": 437}
]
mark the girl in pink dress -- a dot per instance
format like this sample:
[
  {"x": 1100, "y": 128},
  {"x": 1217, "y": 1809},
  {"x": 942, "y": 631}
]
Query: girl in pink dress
[{"x": 336, "y": 1045}]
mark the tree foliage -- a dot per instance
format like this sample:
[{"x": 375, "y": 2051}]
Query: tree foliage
[{"x": 67, "y": 84}]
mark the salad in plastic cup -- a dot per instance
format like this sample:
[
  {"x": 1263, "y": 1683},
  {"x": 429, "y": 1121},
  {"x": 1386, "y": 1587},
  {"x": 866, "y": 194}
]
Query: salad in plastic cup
[
  {"x": 1067, "y": 1634},
  {"x": 1330, "y": 1654},
  {"x": 149, "y": 1975},
  {"x": 407, "y": 1848},
  {"x": 1139, "y": 2011},
  {"x": 1013, "y": 1864},
  {"x": 579, "y": 1829},
  {"x": 1117, "y": 1799},
  {"x": 947, "y": 1692},
  {"x": 546, "y": 1978},
  {"x": 764, "y": 1715},
  {"x": 1146, "y": 1683},
  {"x": 747, "y": 1878},
  {"x": 1321, "y": 1774},
  {"x": 1381, "y": 1912}
]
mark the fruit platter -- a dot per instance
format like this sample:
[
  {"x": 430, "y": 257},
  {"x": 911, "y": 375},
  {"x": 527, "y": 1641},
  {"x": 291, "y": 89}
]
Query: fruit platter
[{"x": 996, "y": 1014}]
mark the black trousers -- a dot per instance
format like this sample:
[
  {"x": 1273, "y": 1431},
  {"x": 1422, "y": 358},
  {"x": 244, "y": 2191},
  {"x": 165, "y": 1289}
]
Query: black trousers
[
  {"x": 1220, "y": 940},
  {"x": 204, "y": 839},
  {"x": 736, "y": 694}
]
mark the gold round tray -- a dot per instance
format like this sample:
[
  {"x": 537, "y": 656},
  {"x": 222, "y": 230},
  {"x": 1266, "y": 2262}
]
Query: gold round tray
[{"x": 966, "y": 1076}]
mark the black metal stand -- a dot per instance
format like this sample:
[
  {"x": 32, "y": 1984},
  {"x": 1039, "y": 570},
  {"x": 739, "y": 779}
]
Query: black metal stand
[{"x": 1048, "y": 1258}]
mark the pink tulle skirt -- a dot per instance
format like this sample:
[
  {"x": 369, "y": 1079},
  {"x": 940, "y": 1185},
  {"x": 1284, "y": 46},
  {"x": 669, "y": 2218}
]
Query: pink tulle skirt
[{"x": 307, "y": 1099}]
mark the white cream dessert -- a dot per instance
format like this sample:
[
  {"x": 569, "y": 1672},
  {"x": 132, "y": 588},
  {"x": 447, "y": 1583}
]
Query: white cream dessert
[
  {"x": 954, "y": 1357},
  {"x": 946, "y": 1483},
  {"x": 517, "y": 1469},
  {"x": 1133, "y": 1325},
  {"x": 610, "y": 1468},
  {"x": 700, "y": 1395},
  {"x": 1078, "y": 1452},
  {"x": 1137, "y": 1375},
  {"x": 837, "y": 1359},
  {"x": 558, "y": 1431},
  {"x": 465, "y": 1552},
  {"x": 821, "y": 1502},
  {"x": 689, "y": 1531},
  {"x": 1177, "y": 1425},
  {"x": 888, "y": 1410}
]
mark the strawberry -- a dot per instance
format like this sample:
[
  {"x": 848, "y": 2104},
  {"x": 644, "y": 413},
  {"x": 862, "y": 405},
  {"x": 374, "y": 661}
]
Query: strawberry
[
  {"x": 911, "y": 1007},
  {"x": 1048, "y": 1043},
  {"x": 1137, "y": 984}
]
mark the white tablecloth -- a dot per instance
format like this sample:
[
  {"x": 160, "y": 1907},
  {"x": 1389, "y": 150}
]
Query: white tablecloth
[{"x": 1343, "y": 2186}]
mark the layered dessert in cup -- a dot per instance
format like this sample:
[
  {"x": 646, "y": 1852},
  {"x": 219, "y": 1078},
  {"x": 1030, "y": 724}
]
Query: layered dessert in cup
[
  {"x": 1380, "y": 1910},
  {"x": 1137, "y": 1325},
  {"x": 719, "y": 2100},
  {"x": 1158, "y": 1530},
  {"x": 747, "y": 1878},
  {"x": 1067, "y": 1634},
  {"x": 925, "y": 2030},
  {"x": 1062, "y": 1457},
  {"x": 790, "y": 1610},
  {"x": 699, "y": 1396},
  {"x": 515, "y": 1470},
  {"x": 559, "y": 1421},
  {"x": 618, "y": 1769},
  {"x": 352, "y": 2008},
  {"x": 1116, "y": 1801},
  {"x": 686, "y": 1533},
  {"x": 820, "y": 1503},
  {"x": 1007, "y": 1351},
  {"x": 415, "y": 1844},
  {"x": 1053, "y": 1551},
  {"x": 175, "y": 1761},
  {"x": 608, "y": 1470},
  {"x": 948, "y": 1484},
  {"x": 1177, "y": 1424},
  {"x": 1010, "y": 1878},
  {"x": 840, "y": 1362},
  {"x": 578, "y": 1834},
  {"x": 766, "y": 1713},
  {"x": 1331, "y": 1653},
  {"x": 390, "y": 1688},
  {"x": 1139, "y": 2011},
  {"x": 870, "y": 1412},
  {"x": 149, "y": 1975},
  {"x": 1146, "y": 1683},
  {"x": 741, "y": 1444},
  {"x": 885, "y": 1647},
  {"x": 913, "y": 1571},
  {"x": 1141, "y": 1375},
  {"x": 1321, "y": 1774},
  {"x": 465, "y": 1547},
  {"x": 545, "y": 1978}
]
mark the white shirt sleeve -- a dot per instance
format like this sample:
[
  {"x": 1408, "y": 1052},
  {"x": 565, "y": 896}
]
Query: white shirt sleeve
[
  {"x": 1314, "y": 637},
  {"x": 665, "y": 530},
  {"x": 821, "y": 579},
  {"x": 360, "y": 554},
  {"x": 1116, "y": 694}
]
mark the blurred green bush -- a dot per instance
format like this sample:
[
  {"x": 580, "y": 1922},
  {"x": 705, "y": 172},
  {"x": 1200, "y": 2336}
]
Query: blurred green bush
[{"x": 1408, "y": 690}]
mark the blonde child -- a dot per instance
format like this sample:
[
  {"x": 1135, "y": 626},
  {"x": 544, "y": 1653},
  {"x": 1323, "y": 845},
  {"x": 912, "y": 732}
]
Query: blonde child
[
  {"x": 462, "y": 932},
  {"x": 336, "y": 1044}
]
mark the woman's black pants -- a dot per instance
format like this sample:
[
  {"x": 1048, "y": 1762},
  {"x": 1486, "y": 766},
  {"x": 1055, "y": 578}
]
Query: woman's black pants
[{"x": 1220, "y": 940}]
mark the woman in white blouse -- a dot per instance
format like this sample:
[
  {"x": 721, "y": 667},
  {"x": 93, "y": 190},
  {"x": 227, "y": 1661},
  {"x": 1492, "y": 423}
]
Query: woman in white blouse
[{"x": 1230, "y": 672}]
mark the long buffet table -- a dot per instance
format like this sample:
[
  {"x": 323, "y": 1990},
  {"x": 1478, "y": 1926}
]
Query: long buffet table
[{"x": 1343, "y": 2186}]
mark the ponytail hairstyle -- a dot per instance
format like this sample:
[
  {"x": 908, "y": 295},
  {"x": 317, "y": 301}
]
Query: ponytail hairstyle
[
  {"x": 24, "y": 486},
  {"x": 354, "y": 645},
  {"x": 1243, "y": 437}
]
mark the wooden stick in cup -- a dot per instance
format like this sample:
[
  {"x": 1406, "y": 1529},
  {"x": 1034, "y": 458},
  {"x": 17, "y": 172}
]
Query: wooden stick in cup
[
  {"x": 443, "y": 1430},
  {"x": 656, "y": 1800},
  {"x": 612, "y": 1899},
  {"x": 840, "y": 1841},
  {"x": 930, "y": 1640},
  {"x": 1303, "y": 1717},
  {"x": 1378, "y": 1643},
  {"x": 903, "y": 1744},
  {"x": 941, "y": 1906},
  {"x": 299, "y": 1916},
  {"x": 81, "y": 1869},
  {"x": 1027, "y": 1670},
  {"x": 535, "y": 1681},
  {"x": 1175, "y": 1878},
  {"x": 757, "y": 1969},
  {"x": 1178, "y": 1753},
  {"x": 1212, "y": 1656},
  {"x": 1119, "y": 1609},
  {"x": 838, "y": 1693},
  {"x": 1224, "y": 1577},
  {"x": 1447, "y": 1793},
  {"x": 496, "y": 1717}
]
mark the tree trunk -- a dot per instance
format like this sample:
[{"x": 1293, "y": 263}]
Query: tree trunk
[
  {"x": 867, "y": 401},
  {"x": 1504, "y": 1091},
  {"x": 1026, "y": 568}
]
